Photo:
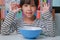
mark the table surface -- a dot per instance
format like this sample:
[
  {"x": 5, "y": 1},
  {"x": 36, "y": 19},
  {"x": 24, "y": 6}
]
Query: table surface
[{"x": 20, "y": 37}]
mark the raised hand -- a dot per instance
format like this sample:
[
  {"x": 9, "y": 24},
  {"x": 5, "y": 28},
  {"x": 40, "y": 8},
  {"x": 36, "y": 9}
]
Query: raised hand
[
  {"x": 45, "y": 7},
  {"x": 14, "y": 7}
]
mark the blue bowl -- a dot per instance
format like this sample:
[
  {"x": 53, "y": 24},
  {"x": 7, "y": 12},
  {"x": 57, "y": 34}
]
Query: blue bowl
[{"x": 31, "y": 32}]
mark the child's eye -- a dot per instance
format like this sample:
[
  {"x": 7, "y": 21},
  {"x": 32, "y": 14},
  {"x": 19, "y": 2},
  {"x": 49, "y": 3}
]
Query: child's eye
[{"x": 33, "y": 5}]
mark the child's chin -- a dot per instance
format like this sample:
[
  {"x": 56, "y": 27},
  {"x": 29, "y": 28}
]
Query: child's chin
[{"x": 29, "y": 16}]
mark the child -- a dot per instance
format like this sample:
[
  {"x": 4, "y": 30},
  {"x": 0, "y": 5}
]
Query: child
[{"x": 28, "y": 8}]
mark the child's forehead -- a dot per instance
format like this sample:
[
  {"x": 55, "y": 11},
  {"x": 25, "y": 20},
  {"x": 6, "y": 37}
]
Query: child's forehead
[{"x": 28, "y": 4}]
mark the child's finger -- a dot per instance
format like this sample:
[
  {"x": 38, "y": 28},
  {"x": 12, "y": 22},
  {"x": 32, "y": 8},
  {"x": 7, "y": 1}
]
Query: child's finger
[
  {"x": 44, "y": 3},
  {"x": 18, "y": 9},
  {"x": 18, "y": 5},
  {"x": 49, "y": 4}
]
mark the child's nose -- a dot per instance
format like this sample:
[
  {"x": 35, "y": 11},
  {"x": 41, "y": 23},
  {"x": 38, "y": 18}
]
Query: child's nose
[{"x": 29, "y": 7}]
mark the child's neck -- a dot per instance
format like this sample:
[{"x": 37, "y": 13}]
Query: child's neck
[{"x": 29, "y": 20}]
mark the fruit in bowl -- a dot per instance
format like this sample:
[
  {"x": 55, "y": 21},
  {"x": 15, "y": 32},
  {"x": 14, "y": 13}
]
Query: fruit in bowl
[{"x": 30, "y": 32}]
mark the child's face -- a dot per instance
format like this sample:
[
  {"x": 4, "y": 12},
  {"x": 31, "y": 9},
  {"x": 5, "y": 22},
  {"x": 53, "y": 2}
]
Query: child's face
[{"x": 29, "y": 10}]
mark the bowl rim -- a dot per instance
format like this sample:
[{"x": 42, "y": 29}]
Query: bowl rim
[{"x": 31, "y": 28}]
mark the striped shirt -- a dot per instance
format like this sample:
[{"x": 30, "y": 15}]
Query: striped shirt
[{"x": 11, "y": 24}]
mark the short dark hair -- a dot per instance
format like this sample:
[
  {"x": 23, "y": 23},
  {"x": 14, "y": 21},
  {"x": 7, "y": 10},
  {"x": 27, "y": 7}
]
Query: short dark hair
[{"x": 28, "y": 2}]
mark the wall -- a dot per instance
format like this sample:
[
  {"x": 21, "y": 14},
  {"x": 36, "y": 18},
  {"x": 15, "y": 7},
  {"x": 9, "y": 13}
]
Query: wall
[
  {"x": 56, "y": 3},
  {"x": 57, "y": 15}
]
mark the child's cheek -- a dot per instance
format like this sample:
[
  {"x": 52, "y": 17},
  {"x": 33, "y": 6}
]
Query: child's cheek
[
  {"x": 33, "y": 10},
  {"x": 24, "y": 9}
]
